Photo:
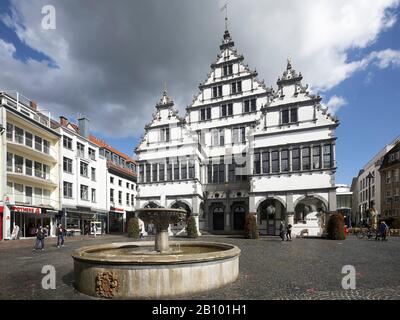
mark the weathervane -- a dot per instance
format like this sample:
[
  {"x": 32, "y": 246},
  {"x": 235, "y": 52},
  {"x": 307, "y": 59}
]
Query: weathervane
[{"x": 225, "y": 7}]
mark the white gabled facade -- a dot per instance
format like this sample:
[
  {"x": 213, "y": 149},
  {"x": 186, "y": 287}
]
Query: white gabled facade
[{"x": 249, "y": 149}]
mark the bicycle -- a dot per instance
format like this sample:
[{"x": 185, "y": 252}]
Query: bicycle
[{"x": 368, "y": 233}]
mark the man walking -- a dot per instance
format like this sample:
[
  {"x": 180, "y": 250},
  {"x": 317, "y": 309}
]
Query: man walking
[
  {"x": 383, "y": 230},
  {"x": 60, "y": 232},
  {"x": 40, "y": 235},
  {"x": 282, "y": 230},
  {"x": 289, "y": 232}
]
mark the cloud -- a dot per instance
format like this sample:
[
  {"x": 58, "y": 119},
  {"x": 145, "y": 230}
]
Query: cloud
[
  {"x": 112, "y": 57},
  {"x": 335, "y": 103}
]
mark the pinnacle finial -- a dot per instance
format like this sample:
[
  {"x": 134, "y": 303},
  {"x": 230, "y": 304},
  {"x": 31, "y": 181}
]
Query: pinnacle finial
[
  {"x": 289, "y": 63},
  {"x": 165, "y": 86}
]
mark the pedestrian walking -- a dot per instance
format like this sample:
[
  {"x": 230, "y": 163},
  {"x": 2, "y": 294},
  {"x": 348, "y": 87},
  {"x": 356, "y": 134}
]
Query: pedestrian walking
[
  {"x": 94, "y": 230},
  {"x": 40, "y": 235},
  {"x": 383, "y": 231},
  {"x": 289, "y": 232},
  {"x": 282, "y": 230},
  {"x": 60, "y": 232}
]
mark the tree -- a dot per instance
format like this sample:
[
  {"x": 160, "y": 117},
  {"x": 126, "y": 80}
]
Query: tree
[
  {"x": 335, "y": 227},
  {"x": 134, "y": 228},
  {"x": 191, "y": 228},
  {"x": 251, "y": 227}
]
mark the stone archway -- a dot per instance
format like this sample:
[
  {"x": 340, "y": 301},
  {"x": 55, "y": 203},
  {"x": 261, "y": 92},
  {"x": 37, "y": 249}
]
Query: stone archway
[
  {"x": 309, "y": 215},
  {"x": 179, "y": 204},
  {"x": 271, "y": 211},
  {"x": 307, "y": 206}
]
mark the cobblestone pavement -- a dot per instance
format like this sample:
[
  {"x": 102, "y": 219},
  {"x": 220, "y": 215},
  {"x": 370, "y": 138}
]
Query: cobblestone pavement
[{"x": 305, "y": 269}]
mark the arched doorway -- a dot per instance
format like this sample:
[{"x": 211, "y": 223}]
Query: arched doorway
[
  {"x": 182, "y": 205},
  {"x": 271, "y": 212},
  {"x": 309, "y": 214},
  {"x": 239, "y": 214},
  {"x": 218, "y": 218}
]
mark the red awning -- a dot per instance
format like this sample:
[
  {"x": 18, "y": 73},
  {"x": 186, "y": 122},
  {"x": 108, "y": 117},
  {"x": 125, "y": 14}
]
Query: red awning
[{"x": 1, "y": 209}]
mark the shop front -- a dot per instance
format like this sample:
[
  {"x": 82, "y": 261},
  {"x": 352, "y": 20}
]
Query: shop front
[
  {"x": 117, "y": 220},
  {"x": 26, "y": 220},
  {"x": 79, "y": 222}
]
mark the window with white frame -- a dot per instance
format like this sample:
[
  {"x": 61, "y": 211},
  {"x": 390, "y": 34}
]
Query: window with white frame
[
  {"x": 236, "y": 87},
  {"x": 164, "y": 135},
  {"x": 205, "y": 114},
  {"x": 67, "y": 189},
  {"x": 217, "y": 91},
  {"x": 227, "y": 70},
  {"x": 67, "y": 165},
  {"x": 239, "y": 135},
  {"x": 289, "y": 116},
  {"x": 250, "y": 105},
  {"x": 227, "y": 110}
]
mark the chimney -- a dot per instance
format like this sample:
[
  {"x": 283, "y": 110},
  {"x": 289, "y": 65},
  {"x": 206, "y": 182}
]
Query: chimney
[
  {"x": 63, "y": 121},
  {"x": 83, "y": 124},
  {"x": 33, "y": 105}
]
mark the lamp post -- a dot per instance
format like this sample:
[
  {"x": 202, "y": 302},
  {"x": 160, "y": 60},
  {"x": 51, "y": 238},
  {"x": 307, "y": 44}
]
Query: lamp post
[{"x": 369, "y": 177}]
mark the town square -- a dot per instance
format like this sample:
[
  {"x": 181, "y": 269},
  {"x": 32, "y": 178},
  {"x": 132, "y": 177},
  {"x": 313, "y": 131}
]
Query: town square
[{"x": 203, "y": 150}]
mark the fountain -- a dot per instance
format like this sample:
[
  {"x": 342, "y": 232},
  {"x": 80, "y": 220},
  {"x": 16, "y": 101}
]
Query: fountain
[{"x": 146, "y": 269}]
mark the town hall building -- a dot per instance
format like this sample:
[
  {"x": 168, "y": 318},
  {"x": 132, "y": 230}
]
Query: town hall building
[{"x": 242, "y": 148}]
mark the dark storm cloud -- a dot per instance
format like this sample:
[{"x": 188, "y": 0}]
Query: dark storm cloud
[
  {"x": 123, "y": 51},
  {"x": 113, "y": 56}
]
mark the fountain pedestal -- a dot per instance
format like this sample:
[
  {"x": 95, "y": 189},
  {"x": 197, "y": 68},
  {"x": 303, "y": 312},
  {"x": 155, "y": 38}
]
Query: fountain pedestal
[
  {"x": 161, "y": 218},
  {"x": 162, "y": 241}
]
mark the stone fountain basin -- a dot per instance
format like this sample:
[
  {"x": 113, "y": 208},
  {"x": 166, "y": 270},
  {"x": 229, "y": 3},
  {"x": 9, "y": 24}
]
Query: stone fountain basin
[{"x": 133, "y": 270}]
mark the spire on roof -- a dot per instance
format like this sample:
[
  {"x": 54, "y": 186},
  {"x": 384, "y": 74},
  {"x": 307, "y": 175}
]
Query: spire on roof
[
  {"x": 290, "y": 74},
  {"x": 165, "y": 100},
  {"x": 227, "y": 40}
]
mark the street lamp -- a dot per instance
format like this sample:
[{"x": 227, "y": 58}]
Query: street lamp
[{"x": 369, "y": 177}]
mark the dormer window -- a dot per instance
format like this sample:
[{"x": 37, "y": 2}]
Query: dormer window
[
  {"x": 236, "y": 87},
  {"x": 205, "y": 114},
  {"x": 217, "y": 91},
  {"x": 289, "y": 116},
  {"x": 227, "y": 70},
  {"x": 164, "y": 135}
]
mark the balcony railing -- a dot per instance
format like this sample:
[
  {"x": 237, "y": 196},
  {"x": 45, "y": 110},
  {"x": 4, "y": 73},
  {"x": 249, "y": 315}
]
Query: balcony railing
[
  {"x": 38, "y": 174},
  {"x": 27, "y": 107},
  {"x": 28, "y": 143}
]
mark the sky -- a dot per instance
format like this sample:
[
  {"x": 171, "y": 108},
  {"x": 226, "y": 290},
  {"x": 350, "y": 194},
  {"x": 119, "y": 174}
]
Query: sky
[{"x": 108, "y": 60}]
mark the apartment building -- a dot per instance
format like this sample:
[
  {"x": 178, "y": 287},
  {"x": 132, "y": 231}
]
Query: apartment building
[
  {"x": 29, "y": 153},
  {"x": 83, "y": 177},
  {"x": 120, "y": 185},
  {"x": 390, "y": 186},
  {"x": 367, "y": 187}
]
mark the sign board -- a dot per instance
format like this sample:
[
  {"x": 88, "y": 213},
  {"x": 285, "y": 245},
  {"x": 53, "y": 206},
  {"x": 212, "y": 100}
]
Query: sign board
[
  {"x": 8, "y": 201},
  {"x": 27, "y": 209}
]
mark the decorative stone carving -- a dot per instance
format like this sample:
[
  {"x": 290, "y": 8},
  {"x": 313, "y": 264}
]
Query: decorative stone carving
[{"x": 107, "y": 284}]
